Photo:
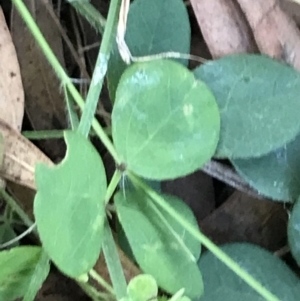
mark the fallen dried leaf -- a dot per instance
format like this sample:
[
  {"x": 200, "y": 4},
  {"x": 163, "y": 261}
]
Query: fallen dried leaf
[
  {"x": 45, "y": 104},
  {"x": 276, "y": 34},
  {"x": 11, "y": 89},
  {"x": 20, "y": 157},
  {"x": 224, "y": 27}
]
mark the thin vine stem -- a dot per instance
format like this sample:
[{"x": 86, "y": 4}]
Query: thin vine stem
[
  {"x": 101, "y": 281},
  {"x": 229, "y": 262}
]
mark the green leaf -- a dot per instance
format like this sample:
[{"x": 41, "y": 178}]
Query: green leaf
[
  {"x": 17, "y": 266},
  {"x": 275, "y": 175},
  {"x": 170, "y": 259},
  {"x": 40, "y": 274},
  {"x": 258, "y": 101},
  {"x": 294, "y": 231},
  {"x": 69, "y": 207},
  {"x": 142, "y": 288},
  {"x": 221, "y": 284},
  {"x": 165, "y": 124},
  {"x": 153, "y": 27}
]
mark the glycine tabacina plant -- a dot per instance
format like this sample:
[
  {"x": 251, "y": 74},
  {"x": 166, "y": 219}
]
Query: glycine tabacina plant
[{"x": 167, "y": 122}]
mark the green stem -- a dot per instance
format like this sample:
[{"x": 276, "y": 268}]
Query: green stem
[
  {"x": 23, "y": 11},
  {"x": 72, "y": 115},
  {"x": 113, "y": 185},
  {"x": 100, "y": 68},
  {"x": 53, "y": 134},
  {"x": 113, "y": 263},
  {"x": 101, "y": 281},
  {"x": 204, "y": 240},
  {"x": 37, "y": 135}
]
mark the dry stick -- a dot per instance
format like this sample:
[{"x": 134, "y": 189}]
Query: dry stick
[
  {"x": 89, "y": 47},
  {"x": 275, "y": 33},
  {"x": 229, "y": 176},
  {"x": 224, "y": 27}
]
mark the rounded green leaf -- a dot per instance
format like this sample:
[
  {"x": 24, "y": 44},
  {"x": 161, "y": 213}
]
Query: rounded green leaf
[
  {"x": 142, "y": 288},
  {"x": 294, "y": 231},
  {"x": 153, "y": 27},
  {"x": 17, "y": 267},
  {"x": 258, "y": 101},
  {"x": 222, "y": 284},
  {"x": 170, "y": 259},
  {"x": 275, "y": 175},
  {"x": 69, "y": 207},
  {"x": 165, "y": 124}
]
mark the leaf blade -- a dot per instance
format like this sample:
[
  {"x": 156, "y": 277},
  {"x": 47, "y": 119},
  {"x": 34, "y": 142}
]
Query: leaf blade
[
  {"x": 268, "y": 269},
  {"x": 17, "y": 267},
  {"x": 275, "y": 175},
  {"x": 154, "y": 247},
  {"x": 160, "y": 143},
  {"x": 71, "y": 224},
  {"x": 250, "y": 91}
]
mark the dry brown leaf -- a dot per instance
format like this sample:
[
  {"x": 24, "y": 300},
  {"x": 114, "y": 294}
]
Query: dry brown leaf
[
  {"x": 11, "y": 89},
  {"x": 224, "y": 27},
  {"x": 276, "y": 34},
  {"x": 20, "y": 157},
  {"x": 1, "y": 149},
  {"x": 291, "y": 8},
  {"x": 45, "y": 105},
  {"x": 243, "y": 218}
]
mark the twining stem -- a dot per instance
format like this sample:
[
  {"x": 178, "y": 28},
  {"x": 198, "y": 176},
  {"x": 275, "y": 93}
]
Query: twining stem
[
  {"x": 66, "y": 81},
  {"x": 72, "y": 114},
  {"x": 101, "y": 281},
  {"x": 235, "y": 267},
  {"x": 230, "y": 177},
  {"x": 100, "y": 68},
  {"x": 93, "y": 293}
]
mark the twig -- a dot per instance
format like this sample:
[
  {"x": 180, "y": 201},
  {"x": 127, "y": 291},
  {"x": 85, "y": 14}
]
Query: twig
[
  {"x": 283, "y": 251},
  {"x": 229, "y": 176}
]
